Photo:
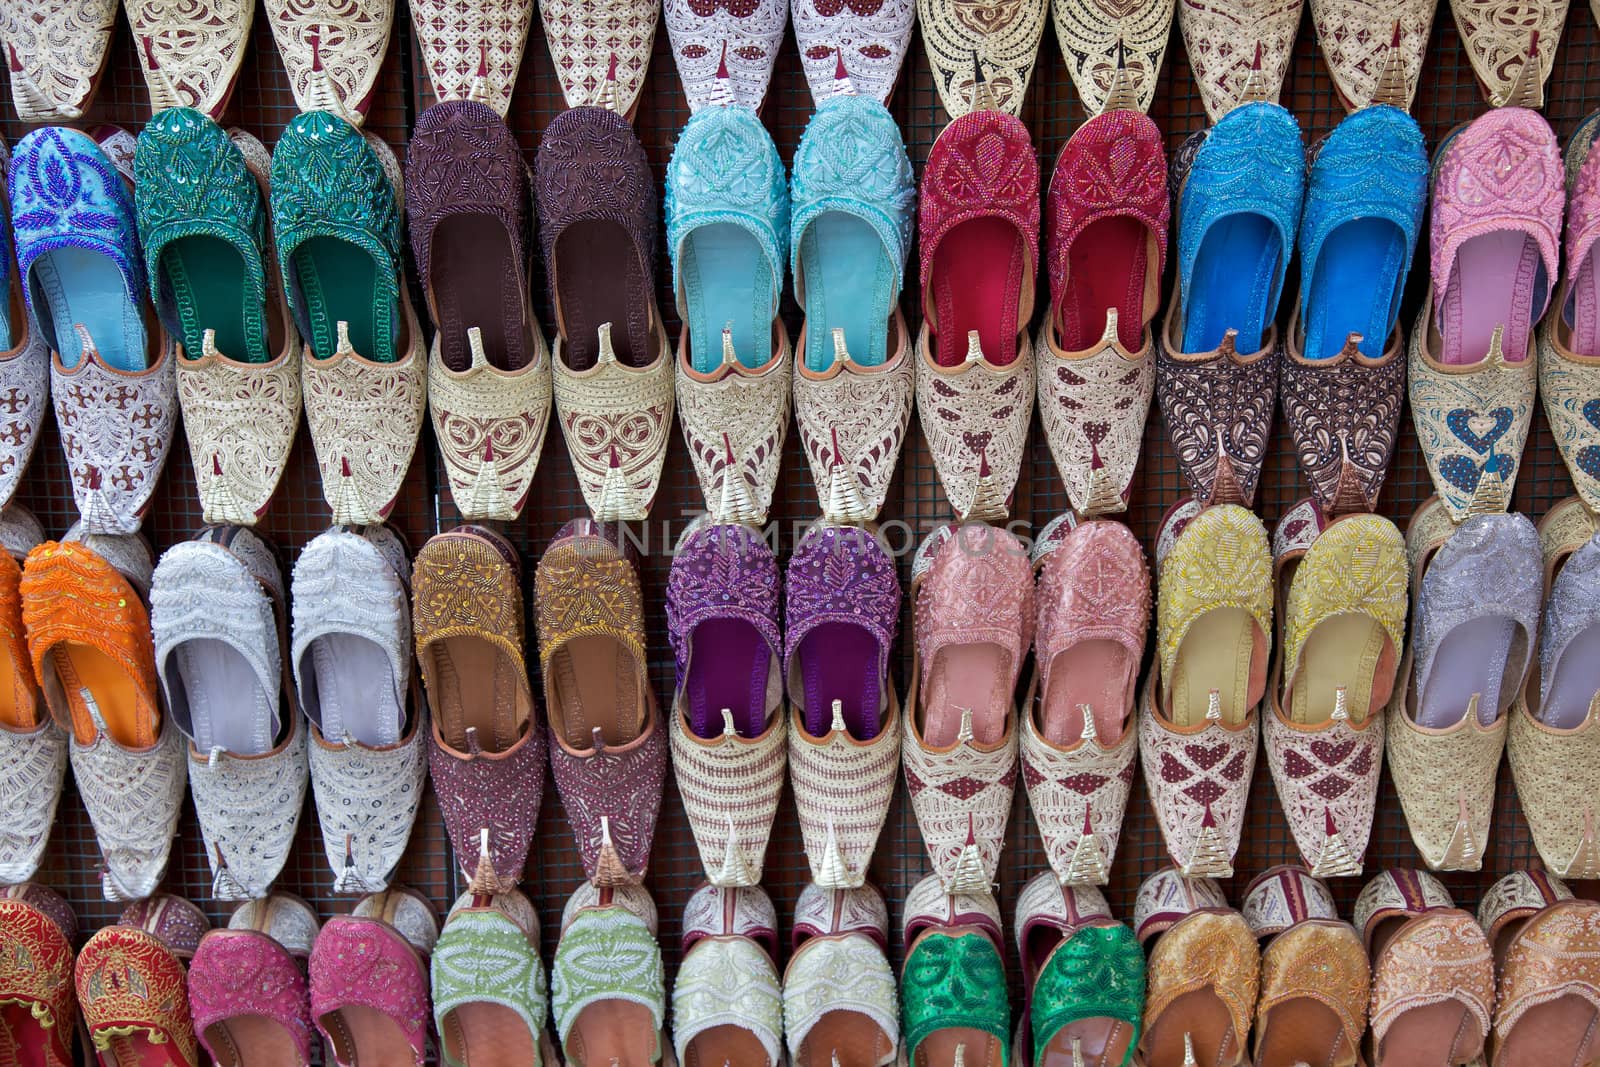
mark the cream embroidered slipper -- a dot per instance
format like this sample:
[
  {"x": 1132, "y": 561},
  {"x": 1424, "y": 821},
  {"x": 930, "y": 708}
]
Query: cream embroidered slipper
[
  {"x": 601, "y": 49},
  {"x": 1512, "y": 57},
  {"x": 24, "y": 358},
  {"x": 1239, "y": 50},
  {"x": 727, "y": 1005},
  {"x": 33, "y": 748},
  {"x": 838, "y": 988},
  {"x": 472, "y": 48},
  {"x": 852, "y": 48},
  {"x": 982, "y": 54},
  {"x": 56, "y": 52},
  {"x": 1113, "y": 50},
  {"x": 1374, "y": 48},
  {"x": 1554, "y": 740},
  {"x": 191, "y": 54},
  {"x": 725, "y": 52},
  {"x": 333, "y": 51}
]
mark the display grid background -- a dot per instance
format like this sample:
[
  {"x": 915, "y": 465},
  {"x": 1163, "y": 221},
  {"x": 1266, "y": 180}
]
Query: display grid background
[{"x": 263, "y": 104}]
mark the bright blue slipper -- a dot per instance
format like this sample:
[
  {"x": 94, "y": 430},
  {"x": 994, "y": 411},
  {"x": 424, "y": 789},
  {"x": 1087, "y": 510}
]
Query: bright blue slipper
[
  {"x": 854, "y": 203},
  {"x": 78, "y": 248},
  {"x": 727, "y": 230},
  {"x": 1368, "y": 188},
  {"x": 1238, "y": 213}
]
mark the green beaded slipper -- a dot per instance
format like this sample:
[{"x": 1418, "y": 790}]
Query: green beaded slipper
[
  {"x": 1083, "y": 977},
  {"x": 336, "y": 219},
  {"x": 490, "y": 998},
  {"x": 203, "y": 228},
  {"x": 953, "y": 1003}
]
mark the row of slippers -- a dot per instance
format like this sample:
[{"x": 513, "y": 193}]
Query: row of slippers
[
  {"x": 1432, "y": 981},
  {"x": 471, "y": 49}
]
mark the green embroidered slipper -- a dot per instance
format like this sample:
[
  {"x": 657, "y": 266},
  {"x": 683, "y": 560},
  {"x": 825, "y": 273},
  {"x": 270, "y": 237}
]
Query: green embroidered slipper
[
  {"x": 953, "y": 1000},
  {"x": 336, "y": 219},
  {"x": 608, "y": 988},
  {"x": 489, "y": 986},
  {"x": 203, "y": 228}
]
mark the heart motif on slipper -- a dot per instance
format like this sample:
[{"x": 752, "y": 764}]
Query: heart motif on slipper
[
  {"x": 1479, "y": 431},
  {"x": 1464, "y": 474},
  {"x": 1205, "y": 756}
]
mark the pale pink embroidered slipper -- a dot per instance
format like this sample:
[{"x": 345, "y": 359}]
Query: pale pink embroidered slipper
[
  {"x": 725, "y": 51},
  {"x": 852, "y": 47},
  {"x": 974, "y": 623},
  {"x": 1079, "y": 737}
]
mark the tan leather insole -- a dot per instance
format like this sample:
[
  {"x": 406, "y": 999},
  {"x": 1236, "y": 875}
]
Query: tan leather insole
[
  {"x": 595, "y": 684},
  {"x": 1102, "y": 1042},
  {"x": 1342, "y": 651},
  {"x": 966, "y": 676},
  {"x": 366, "y": 1037},
  {"x": 475, "y": 686},
  {"x": 1303, "y": 1030},
  {"x": 15, "y": 709},
  {"x": 1561, "y": 1033},
  {"x": 252, "y": 1041},
  {"x": 978, "y": 1049},
  {"x": 1438, "y": 1035},
  {"x": 488, "y": 1035},
  {"x": 848, "y": 1037},
  {"x": 1099, "y": 674},
  {"x": 1204, "y": 1017},
  {"x": 612, "y": 1033},
  {"x": 733, "y": 1046},
  {"x": 1214, "y": 654},
  {"x": 128, "y": 721}
]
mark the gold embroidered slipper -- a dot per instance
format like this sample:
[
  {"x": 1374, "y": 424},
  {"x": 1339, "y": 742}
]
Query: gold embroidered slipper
[
  {"x": 56, "y": 53},
  {"x": 1239, "y": 50},
  {"x": 982, "y": 52},
  {"x": 333, "y": 51},
  {"x": 190, "y": 54},
  {"x": 1113, "y": 50},
  {"x": 1512, "y": 55},
  {"x": 1374, "y": 48}
]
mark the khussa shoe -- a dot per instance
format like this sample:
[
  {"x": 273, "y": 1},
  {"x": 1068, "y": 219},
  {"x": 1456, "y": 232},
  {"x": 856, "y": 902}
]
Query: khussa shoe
[
  {"x": 728, "y": 738},
  {"x": 332, "y": 51},
  {"x": 1079, "y": 738},
  {"x": 608, "y": 748},
  {"x": 216, "y": 287},
  {"x": 219, "y": 617},
  {"x": 1315, "y": 978},
  {"x": 1432, "y": 972},
  {"x": 364, "y": 370},
  {"x": 1554, "y": 736},
  {"x": 1374, "y": 49},
  {"x": 369, "y": 980},
  {"x": 1107, "y": 243},
  {"x": 1341, "y": 613},
  {"x": 24, "y": 358},
  {"x": 177, "y": 923},
  {"x": 489, "y": 986},
  {"x": 952, "y": 1003},
  {"x": 1239, "y": 51},
  {"x": 601, "y": 50},
  {"x": 1547, "y": 951},
  {"x": 489, "y": 382},
  {"x": 351, "y": 652},
  {"x": 1217, "y": 369},
  {"x": 608, "y": 990},
  {"x": 842, "y": 607},
  {"x": 472, "y": 49},
  {"x": 89, "y": 640},
  {"x": 1512, "y": 58},
  {"x": 979, "y": 224},
  {"x": 1198, "y": 723},
  {"x": 839, "y": 1000},
  {"x": 191, "y": 55},
  {"x": 37, "y": 932},
  {"x": 1113, "y": 51},
  {"x": 1204, "y": 973},
  {"x": 57, "y": 52},
  {"x": 1496, "y": 224},
  {"x": 1082, "y": 978},
  {"x": 1343, "y": 374},
  {"x": 132, "y": 992},
  {"x": 973, "y": 592},
  {"x": 612, "y": 365},
  {"x": 727, "y": 1004},
  {"x": 33, "y": 747},
  {"x": 981, "y": 55},
  {"x": 852, "y": 195},
  {"x": 728, "y": 232},
  {"x": 84, "y": 284},
  {"x": 725, "y": 52},
  {"x": 1474, "y": 614},
  {"x": 1569, "y": 339},
  {"x": 247, "y": 985},
  {"x": 845, "y": 49},
  {"x": 487, "y": 751}
]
